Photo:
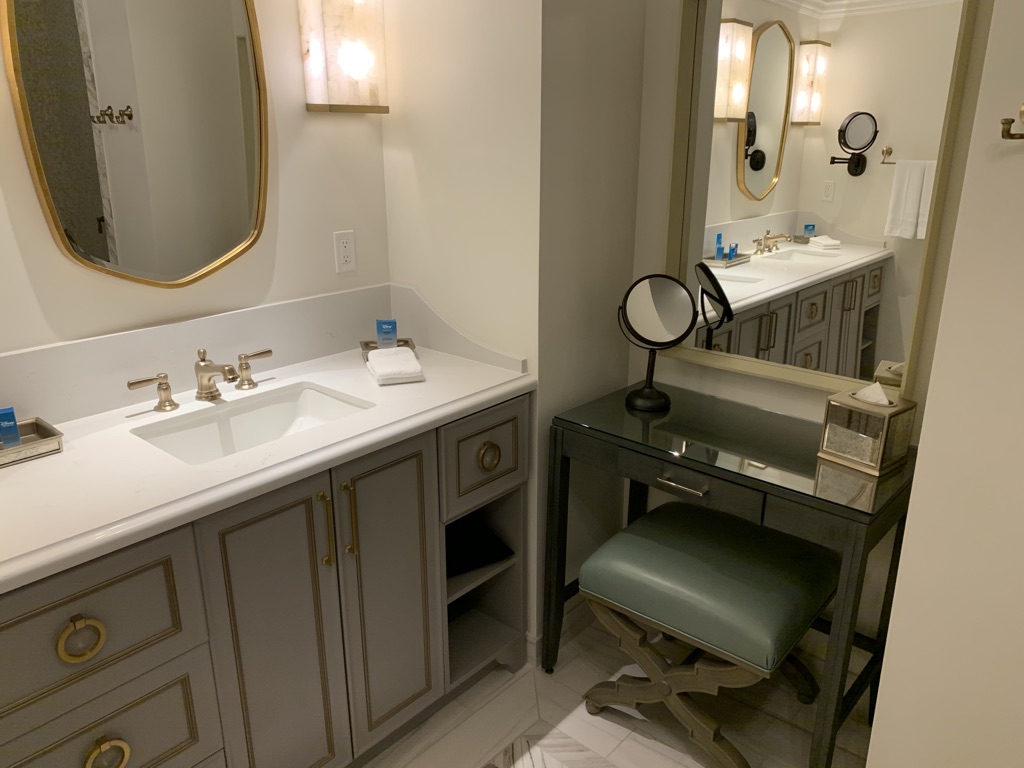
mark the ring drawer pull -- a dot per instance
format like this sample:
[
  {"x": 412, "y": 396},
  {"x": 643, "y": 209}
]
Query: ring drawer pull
[
  {"x": 489, "y": 456},
  {"x": 76, "y": 623},
  {"x": 103, "y": 744},
  {"x": 683, "y": 488},
  {"x": 812, "y": 311}
]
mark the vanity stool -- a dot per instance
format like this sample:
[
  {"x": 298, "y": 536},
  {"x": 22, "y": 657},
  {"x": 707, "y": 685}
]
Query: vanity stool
[{"x": 740, "y": 594}]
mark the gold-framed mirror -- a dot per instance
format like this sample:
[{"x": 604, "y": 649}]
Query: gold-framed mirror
[
  {"x": 761, "y": 147},
  {"x": 145, "y": 128}
]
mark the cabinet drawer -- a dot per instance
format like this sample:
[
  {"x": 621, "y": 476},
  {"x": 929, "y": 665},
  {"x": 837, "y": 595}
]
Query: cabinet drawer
[
  {"x": 483, "y": 455},
  {"x": 809, "y": 354},
  {"x": 873, "y": 287},
  {"x": 166, "y": 717},
  {"x": 692, "y": 486},
  {"x": 73, "y": 636}
]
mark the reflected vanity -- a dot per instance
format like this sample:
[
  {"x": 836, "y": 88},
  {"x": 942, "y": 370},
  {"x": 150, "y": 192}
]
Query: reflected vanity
[
  {"x": 145, "y": 129},
  {"x": 759, "y": 465}
]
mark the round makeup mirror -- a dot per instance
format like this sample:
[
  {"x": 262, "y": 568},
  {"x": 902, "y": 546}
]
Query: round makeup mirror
[
  {"x": 713, "y": 298},
  {"x": 657, "y": 312},
  {"x": 856, "y": 135}
]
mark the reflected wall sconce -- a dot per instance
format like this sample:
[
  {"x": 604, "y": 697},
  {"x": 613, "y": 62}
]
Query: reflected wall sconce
[
  {"x": 733, "y": 82},
  {"x": 811, "y": 75},
  {"x": 343, "y": 55}
]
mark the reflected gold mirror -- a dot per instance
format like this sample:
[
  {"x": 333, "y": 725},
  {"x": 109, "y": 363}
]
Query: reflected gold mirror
[
  {"x": 759, "y": 162},
  {"x": 145, "y": 127}
]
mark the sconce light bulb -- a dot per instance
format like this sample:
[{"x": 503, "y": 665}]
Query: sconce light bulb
[
  {"x": 739, "y": 93},
  {"x": 801, "y": 100},
  {"x": 355, "y": 59},
  {"x": 739, "y": 51},
  {"x": 815, "y": 102},
  {"x": 822, "y": 65}
]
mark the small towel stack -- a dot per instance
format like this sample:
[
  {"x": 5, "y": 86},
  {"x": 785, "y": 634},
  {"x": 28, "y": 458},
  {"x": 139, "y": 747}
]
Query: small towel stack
[
  {"x": 394, "y": 365},
  {"x": 825, "y": 242}
]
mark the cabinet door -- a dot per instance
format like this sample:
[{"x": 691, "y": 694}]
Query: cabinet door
[
  {"x": 272, "y": 603},
  {"x": 750, "y": 335},
  {"x": 388, "y": 527},
  {"x": 846, "y": 317},
  {"x": 780, "y": 329}
]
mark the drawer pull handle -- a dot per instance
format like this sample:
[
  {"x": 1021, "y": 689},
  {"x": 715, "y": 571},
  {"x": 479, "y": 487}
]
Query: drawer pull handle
[
  {"x": 489, "y": 456},
  {"x": 683, "y": 488},
  {"x": 76, "y": 623},
  {"x": 103, "y": 744},
  {"x": 812, "y": 311},
  {"x": 353, "y": 548},
  {"x": 332, "y": 546}
]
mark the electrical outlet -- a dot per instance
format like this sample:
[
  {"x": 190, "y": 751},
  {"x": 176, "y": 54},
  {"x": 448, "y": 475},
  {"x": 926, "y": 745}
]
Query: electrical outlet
[
  {"x": 828, "y": 191},
  {"x": 345, "y": 251}
]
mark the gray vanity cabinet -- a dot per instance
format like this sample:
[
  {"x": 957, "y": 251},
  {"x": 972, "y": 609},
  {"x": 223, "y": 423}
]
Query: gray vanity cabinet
[
  {"x": 765, "y": 331},
  {"x": 845, "y": 323},
  {"x": 272, "y": 601},
  {"x": 387, "y": 531}
]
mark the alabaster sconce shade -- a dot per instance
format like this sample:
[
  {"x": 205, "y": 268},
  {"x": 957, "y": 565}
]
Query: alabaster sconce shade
[
  {"x": 811, "y": 75},
  {"x": 343, "y": 55},
  {"x": 733, "y": 82}
]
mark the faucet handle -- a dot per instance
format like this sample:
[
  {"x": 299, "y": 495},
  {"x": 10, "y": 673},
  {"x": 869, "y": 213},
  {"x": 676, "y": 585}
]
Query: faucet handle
[
  {"x": 245, "y": 380},
  {"x": 163, "y": 389}
]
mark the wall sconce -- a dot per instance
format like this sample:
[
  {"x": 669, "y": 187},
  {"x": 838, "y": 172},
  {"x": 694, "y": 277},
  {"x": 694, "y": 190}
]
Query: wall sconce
[
  {"x": 811, "y": 75},
  {"x": 343, "y": 55},
  {"x": 733, "y": 82}
]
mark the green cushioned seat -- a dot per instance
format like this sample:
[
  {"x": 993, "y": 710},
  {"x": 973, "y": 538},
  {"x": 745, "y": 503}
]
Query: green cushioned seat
[{"x": 737, "y": 588}]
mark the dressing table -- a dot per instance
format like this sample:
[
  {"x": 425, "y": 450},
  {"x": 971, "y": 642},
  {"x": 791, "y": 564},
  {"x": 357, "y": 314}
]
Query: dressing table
[{"x": 759, "y": 465}]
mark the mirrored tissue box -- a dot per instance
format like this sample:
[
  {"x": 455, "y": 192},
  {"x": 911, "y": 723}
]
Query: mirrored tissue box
[{"x": 869, "y": 437}]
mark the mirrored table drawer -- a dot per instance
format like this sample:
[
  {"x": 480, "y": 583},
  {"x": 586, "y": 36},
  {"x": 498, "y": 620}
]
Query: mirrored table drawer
[
  {"x": 68, "y": 638},
  {"x": 692, "y": 486}
]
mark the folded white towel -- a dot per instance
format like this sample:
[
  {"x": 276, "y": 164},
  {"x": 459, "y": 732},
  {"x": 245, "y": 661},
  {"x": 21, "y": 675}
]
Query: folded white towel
[
  {"x": 395, "y": 365},
  {"x": 824, "y": 241},
  {"x": 911, "y": 198}
]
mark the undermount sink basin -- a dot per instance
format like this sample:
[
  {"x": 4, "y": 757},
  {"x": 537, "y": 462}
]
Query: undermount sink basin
[
  {"x": 727, "y": 278},
  {"x": 803, "y": 257},
  {"x": 230, "y": 427}
]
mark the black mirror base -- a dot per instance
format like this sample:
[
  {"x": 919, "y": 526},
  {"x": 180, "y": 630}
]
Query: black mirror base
[{"x": 648, "y": 399}]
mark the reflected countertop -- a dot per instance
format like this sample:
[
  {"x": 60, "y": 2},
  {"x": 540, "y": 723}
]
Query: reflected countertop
[{"x": 791, "y": 268}]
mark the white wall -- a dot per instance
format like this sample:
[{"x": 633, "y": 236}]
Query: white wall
[
  {"x": 592, "y": 86},
  {"x": 950, "y": 688},
  {"x": 326, "y": 174},
  {"x": 462, "y": 163}
]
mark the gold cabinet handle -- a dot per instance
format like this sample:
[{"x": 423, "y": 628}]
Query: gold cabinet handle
[
  {"x": 676, "y": 486},
  {"x": 103, "y": 744},
  {"x": 812, "y": 311},
  {"x": 876, "y": 282},
  {"x": 808, "y": 360},
  {"x": 76, "y": 623},
  {"x": 332, "y": 546},
  {"x": 489, "y": 456},
  {"x": 353, "y": 548}
]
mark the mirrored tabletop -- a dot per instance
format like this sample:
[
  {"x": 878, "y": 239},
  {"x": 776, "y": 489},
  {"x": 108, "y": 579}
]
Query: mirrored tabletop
[{"x": 773, "y": 448}]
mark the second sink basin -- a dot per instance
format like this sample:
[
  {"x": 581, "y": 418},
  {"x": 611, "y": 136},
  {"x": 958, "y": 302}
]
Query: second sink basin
[
  {"x": 229, "y": 427},
  {"x": 804, "y": 257}
]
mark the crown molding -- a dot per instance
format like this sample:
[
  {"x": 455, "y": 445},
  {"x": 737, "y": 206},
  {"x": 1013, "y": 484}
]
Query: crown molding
[{"x": 836, "y": 9}]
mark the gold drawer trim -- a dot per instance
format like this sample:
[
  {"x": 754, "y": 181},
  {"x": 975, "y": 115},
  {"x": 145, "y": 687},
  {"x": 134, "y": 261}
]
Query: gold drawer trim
[
  {"x": 190, "y": 716},
  {"x": 166, "y": 564},
  {"x": 490, "y": 478}
]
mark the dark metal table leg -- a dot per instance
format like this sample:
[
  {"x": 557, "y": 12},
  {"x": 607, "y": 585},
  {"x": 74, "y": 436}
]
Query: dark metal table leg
[{"x": 554, "y": 547}]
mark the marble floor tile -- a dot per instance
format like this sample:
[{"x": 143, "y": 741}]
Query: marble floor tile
[
  {"x": 547, "y": 747},
  {"x": 563, "y": 708}
]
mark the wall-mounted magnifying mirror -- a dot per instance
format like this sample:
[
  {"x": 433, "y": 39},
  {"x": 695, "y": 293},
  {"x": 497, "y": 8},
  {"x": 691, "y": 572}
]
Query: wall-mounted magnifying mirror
[
  {"x": 771, "y": 86},
  {"x": 714, "y": 306},
  {"x": 856, "y": 135},
  {"x": 756, "y": 157},
  {"x": 657, "y": 312},
  {"x": 145, "y": 128}
]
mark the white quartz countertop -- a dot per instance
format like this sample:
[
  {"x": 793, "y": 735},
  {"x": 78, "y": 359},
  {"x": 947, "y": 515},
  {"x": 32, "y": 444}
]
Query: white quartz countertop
[
  {"x": 110, "y": 488},
  {"x": 791, "y": 268}
]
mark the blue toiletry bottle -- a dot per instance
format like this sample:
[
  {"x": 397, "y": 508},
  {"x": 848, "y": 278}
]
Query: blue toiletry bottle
[
  {"x": 733, "y": 248},
  {"x": 719, "y": 251}
]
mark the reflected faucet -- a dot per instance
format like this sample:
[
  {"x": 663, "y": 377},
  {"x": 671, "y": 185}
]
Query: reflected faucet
[{"x": 206, "y": 370}]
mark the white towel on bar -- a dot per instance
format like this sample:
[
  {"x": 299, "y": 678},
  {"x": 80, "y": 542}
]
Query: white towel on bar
[
  {"x": 911, "y": 198},
  {"x": 394, "y": 365}
]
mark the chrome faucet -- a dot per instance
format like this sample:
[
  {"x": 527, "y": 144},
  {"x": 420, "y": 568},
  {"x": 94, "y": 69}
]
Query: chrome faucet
[{"x": 206, "y": 370}]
